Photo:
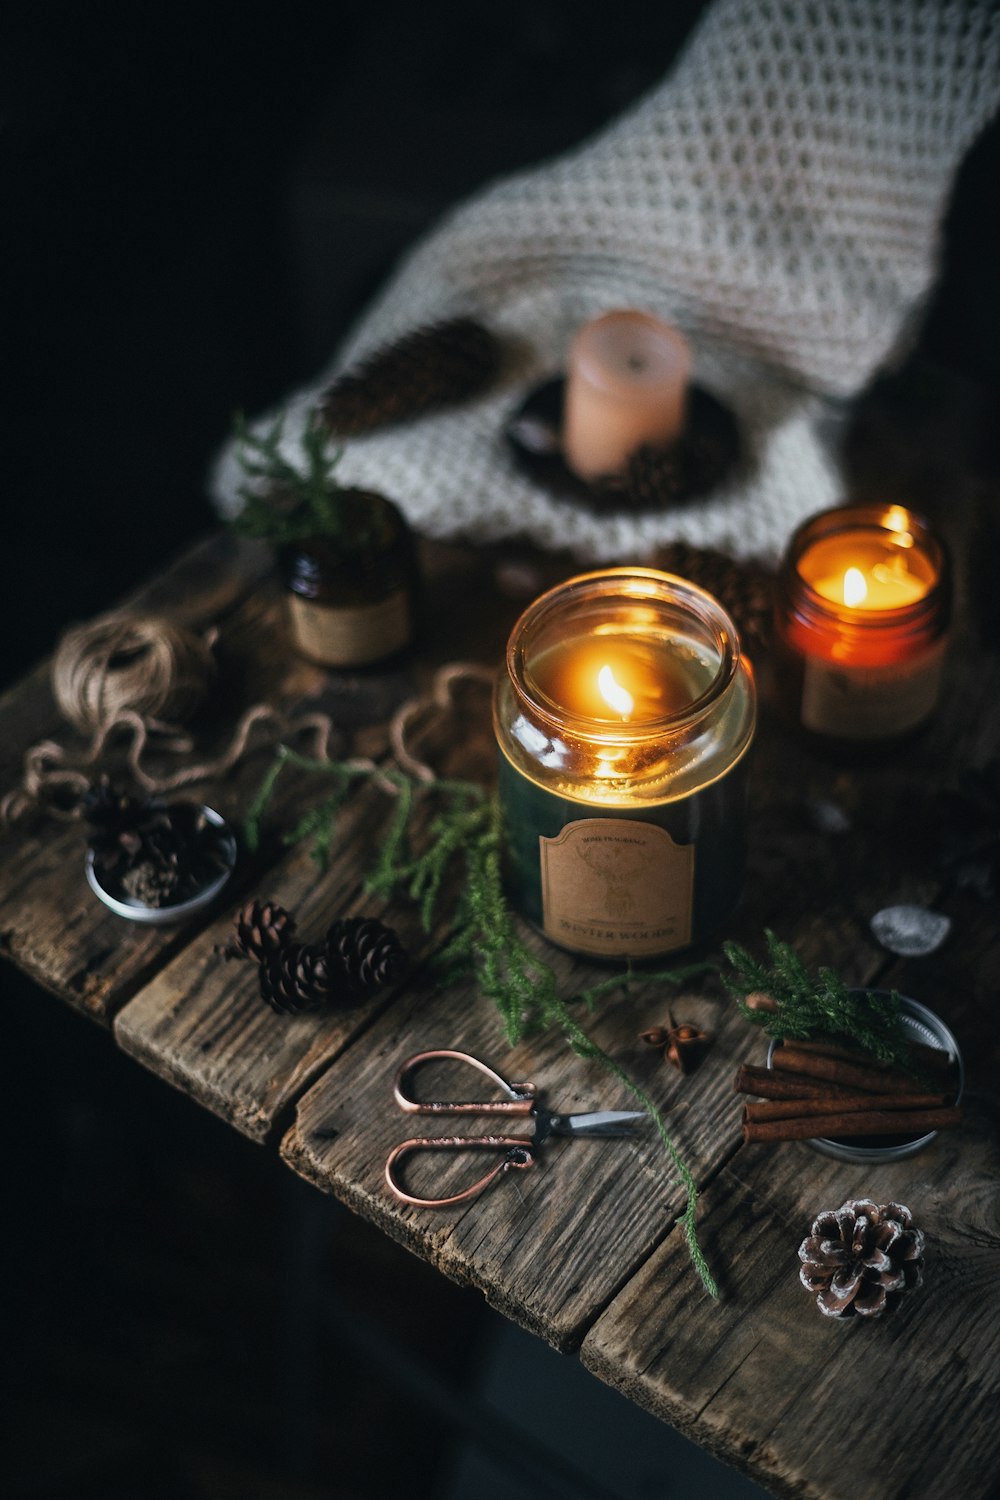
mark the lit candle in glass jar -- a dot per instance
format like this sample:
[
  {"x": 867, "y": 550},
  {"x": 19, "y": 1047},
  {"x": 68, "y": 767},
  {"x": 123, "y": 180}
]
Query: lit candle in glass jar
[
  {"x": 623, "y": 720},
  {"x": 626, "y": 386},
  {"x": 863, "y": 606}
]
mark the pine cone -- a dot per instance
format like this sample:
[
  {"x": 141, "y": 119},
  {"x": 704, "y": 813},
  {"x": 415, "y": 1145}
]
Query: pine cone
[
  {"x": 262, "y": 929},
  {"x": 109, "y": 812},
  {"x": 299, "y": 977},
  {"x": 657, "y": 476},
  {"x": 370, "y": 953},
  {"x": 438, "y": 365},
  {"x": 744, "y": 589},
  {"x": 856, "y": 1256},
  {"x": 157, "y": 853},
  {"x": 152, "y": 883}
]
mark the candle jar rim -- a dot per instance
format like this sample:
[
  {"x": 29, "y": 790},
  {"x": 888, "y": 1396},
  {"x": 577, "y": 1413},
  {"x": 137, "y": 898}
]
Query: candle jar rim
[
  {"x": 669, "y": 589},
  {"x": 865, "y": 515}
]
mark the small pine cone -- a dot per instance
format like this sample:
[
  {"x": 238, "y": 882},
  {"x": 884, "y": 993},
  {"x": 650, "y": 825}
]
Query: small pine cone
[
  {"x": 856, "y": 1257},
  {"x": 657, "y": 476},
  {"x": 744, "y": 589},
  {"x": 153, "y": 883},
  {"x": 109, "y": 811},
  {"x": 299, "y": 977},
  {"x": 262, "y": 929},
  {"x": 438, "y": 365},
  {"x": 370, "y": 953}
]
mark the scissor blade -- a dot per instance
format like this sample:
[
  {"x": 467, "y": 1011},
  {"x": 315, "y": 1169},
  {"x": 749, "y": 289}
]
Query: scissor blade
[{"x": 602, "y": 1122}]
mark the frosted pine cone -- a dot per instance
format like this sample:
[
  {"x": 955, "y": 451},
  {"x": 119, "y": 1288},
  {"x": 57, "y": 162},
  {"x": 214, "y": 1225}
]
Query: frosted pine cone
[
  {"x": 371, "y": 953},
  {"x": 858, "y": 1256}
]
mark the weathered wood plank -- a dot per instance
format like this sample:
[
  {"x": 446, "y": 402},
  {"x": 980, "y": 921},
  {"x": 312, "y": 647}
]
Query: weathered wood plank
[
  {"x": 201, "y": 1024},
  {"x": 763, "y": 1380},
  {"x": 51, "y": 924},
  {"x": 905, "y": 1406},
  {"x": 548, "y": 1245}
]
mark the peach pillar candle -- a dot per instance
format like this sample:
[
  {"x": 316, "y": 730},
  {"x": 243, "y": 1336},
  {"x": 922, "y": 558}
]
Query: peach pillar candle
[{"x": 626, "y": 386}]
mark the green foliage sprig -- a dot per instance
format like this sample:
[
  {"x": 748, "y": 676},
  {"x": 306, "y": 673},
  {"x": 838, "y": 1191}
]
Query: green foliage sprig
[
  {"x": 291, "y": 502},
  {"x": 816, "y": 1004},
  {"x": 485, "y": 942}
]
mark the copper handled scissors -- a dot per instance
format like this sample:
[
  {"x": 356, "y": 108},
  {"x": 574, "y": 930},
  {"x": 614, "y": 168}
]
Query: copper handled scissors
[{"x": 520, "y": 1102}]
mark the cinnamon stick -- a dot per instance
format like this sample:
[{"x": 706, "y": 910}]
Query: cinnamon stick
[
  {"x": 924, "y": 1057},
  {"x": 836, "y": 1070},
  {"x": 770, "y": 1085},
  {"x": 902, "y": 1122},
  {"x": 790, "y": 1109}
]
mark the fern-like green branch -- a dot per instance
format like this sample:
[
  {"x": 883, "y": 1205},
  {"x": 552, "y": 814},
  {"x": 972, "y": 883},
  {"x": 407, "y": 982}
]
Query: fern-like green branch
[
  {"x": 292, "y": 502},
  {"x": 485, "y": 943},
  {"x": 816, "y": 1004}
]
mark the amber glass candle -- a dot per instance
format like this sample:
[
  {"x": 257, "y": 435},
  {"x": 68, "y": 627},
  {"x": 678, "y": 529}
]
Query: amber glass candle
[
  {"x": 626, "y": 385},
  {"x": 862, "y": 615},
  {"x": 623, "y": 720}
]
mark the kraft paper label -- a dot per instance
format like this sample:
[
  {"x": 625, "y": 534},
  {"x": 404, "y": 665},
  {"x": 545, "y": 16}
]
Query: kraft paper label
[
  {"x": 350, "y": 636},
  {"x": 616, "y": 888},
  {"x": 869, "y": 702}
]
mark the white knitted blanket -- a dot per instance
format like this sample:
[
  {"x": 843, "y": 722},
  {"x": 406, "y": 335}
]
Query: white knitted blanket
[{"x": 779, "y": 198}]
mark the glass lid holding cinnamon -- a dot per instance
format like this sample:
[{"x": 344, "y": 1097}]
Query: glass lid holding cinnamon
[{"x": 623, "y": 720}]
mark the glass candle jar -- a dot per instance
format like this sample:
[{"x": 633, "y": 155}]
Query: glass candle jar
[
  {"x": 351, "y": 597},
  {"x": 863, "y": 605},
  {"x": 623, "y": 720}
]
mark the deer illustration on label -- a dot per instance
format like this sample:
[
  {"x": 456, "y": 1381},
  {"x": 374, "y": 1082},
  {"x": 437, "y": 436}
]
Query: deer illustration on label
[{"x": 616, "y": 887}]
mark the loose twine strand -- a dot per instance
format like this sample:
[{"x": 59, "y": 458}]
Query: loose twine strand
[{"x": 144, "y": 675}]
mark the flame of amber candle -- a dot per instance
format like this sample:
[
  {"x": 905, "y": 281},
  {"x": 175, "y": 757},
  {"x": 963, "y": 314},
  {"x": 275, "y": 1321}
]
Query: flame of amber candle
[
  {"x": 616, "y": 696},
  {"x": 855, "y": 588}
]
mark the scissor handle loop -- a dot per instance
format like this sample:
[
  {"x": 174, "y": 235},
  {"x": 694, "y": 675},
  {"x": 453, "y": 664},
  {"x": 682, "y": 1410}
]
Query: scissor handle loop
[
  {"x": 518, "y": 1154},
  {"x": 520, "y": 1096}
]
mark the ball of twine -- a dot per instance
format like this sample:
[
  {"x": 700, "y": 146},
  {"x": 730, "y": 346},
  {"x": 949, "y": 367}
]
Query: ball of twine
[{"x": 124, "y": 663}]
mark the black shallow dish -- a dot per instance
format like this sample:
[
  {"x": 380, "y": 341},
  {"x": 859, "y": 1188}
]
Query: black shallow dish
[{"x": 702, "y": 456}]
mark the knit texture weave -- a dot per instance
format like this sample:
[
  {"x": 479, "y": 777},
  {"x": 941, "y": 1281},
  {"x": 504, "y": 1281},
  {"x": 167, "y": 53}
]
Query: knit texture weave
[{"x": 779, "y": 198}]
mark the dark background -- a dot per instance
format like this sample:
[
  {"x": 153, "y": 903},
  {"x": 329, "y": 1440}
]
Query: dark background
[{"x": 196, "y": 204}]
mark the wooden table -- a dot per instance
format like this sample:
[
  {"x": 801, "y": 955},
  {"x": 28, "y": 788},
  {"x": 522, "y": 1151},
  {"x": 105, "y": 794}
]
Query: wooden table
[{"x": 584, "y": 1251}]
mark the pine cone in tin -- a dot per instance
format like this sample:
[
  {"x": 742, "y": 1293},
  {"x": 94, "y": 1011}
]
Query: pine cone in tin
[
  {"x": 370, "y": 953},
  {"x": 158, "y": 853},
  {"x": 262, "y": 928},
  {"x": 857, "y": 1259},
  {"x": 744, "y": 589},
  {"x": 298, "y": 977},
  {"x": 435, "y": 366}
]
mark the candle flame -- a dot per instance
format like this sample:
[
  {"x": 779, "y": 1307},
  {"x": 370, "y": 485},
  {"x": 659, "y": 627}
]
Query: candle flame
[
  {"x": 897, "y": 520},
  {"x": 617, "y": 697},
  {"x": 855, "y": 588}
]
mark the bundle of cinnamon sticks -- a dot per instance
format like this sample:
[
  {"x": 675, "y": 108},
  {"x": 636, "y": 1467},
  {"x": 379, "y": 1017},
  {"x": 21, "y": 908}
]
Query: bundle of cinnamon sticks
[{"x": 814, "y": 1088}]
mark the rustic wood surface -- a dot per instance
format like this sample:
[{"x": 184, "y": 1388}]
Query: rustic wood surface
[
  {"x": 582, "y": 1248},
  {"x": 810, "y": 1406}
]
